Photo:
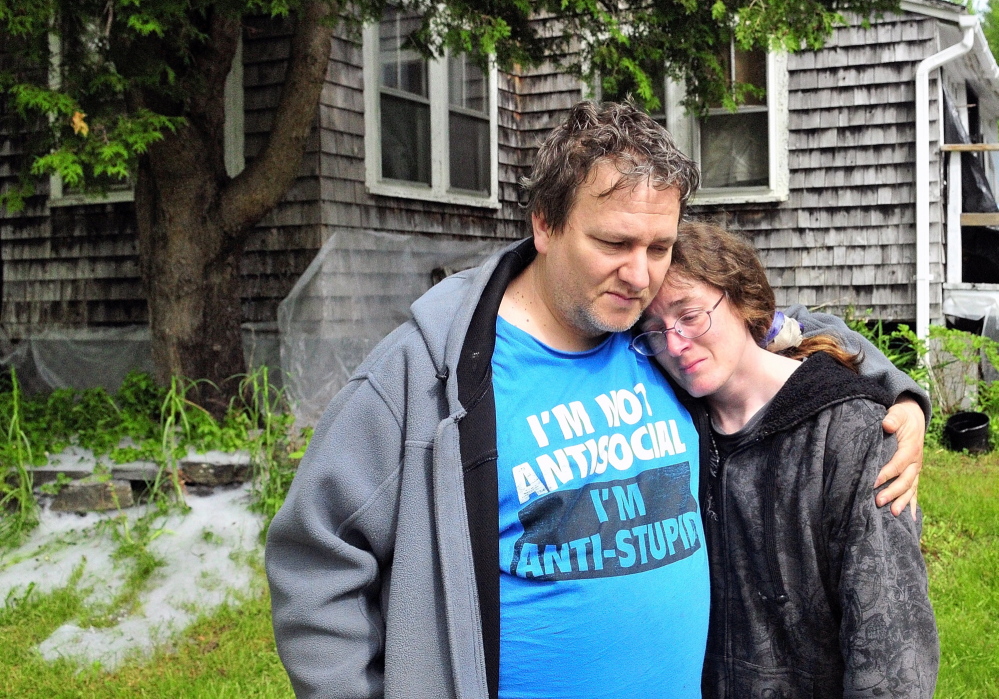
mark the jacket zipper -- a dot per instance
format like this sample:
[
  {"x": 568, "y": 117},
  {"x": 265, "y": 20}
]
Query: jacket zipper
[{"x": 769, "y": 504}]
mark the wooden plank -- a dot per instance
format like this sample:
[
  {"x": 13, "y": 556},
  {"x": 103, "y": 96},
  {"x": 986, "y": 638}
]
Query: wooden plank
[
  {"x": 969, "y": 147},
  {"x": 980, "y": 219}
]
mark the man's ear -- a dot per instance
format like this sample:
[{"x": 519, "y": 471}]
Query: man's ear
[{"x": 542, "y": 233}]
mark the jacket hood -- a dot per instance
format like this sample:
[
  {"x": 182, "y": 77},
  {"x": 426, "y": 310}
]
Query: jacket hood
[
  {"x": 828, "y": 382},
  {"x": 444, "y": 313}
]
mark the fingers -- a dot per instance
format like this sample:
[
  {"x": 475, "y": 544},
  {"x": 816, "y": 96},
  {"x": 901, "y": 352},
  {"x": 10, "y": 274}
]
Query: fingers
[
  {"x": 907, "y": 462},
  {"x": 891, "y": 421},
  {"x": 906, "y": 414},
  {"x": 901, "y": 490}
]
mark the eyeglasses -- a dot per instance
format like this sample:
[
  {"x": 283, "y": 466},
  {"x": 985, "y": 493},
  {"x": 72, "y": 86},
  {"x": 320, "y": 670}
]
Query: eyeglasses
[{"x": 689, "y": 325}]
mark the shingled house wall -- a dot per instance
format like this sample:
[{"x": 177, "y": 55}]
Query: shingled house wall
[
  {"x": 61, "y": 266},
  {"x": 846, "y": 236},
  {"x": 70, "y": 267}
]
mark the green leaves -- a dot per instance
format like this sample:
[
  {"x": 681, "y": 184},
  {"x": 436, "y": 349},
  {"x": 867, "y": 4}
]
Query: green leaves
[
  {"x": 136, "y": 68},
  {"x": 105, "y": 151},
  {"x": 36, "y": 98}
]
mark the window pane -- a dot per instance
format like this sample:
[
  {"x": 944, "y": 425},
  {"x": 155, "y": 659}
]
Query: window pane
[
  {"x": 751, "y": 68},
  {"x": 734, "y": 150},
  {"x": 469, "y": 144},
  {"x": 405, "y": 139},
  {"x": 401, "y": 68},
  {"x": 467, "y": 84}
]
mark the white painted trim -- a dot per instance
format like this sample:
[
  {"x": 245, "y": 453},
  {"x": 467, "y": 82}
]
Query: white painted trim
[
  {"x": 952, "y": 250},
  {"x": 734, "y": 195},
  {"x": 234, "y": 134},
  {"x": 372, "y": 110},
  {"x": 777, "y": 102},
  {"x": 953, "y": 270},
  {"x": 439, "y": 142},
  {"x": 922, "y": 85},
  {"x": 971, "y": 286},
  {"x": 922, "y": 8},
  {"x": 439, "y": 190},
  {"x": 686, "y": 131},
  {"x": 115, "y": 196},
  {"x": 392, "y": 188}
]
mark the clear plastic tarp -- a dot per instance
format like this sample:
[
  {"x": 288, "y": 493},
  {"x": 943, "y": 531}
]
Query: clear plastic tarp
[
  {"x": 971, "y": 304},
  {"x": 976, "y": 304},
  {"x": 358, "y": 288},
  {"x": 89, "y": 357}
]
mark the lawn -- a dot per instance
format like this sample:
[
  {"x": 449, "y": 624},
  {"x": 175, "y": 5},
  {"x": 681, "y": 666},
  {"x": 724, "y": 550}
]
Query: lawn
[
  {"x": 960, "y": 499},
  {"x": 231, "y": 653}
]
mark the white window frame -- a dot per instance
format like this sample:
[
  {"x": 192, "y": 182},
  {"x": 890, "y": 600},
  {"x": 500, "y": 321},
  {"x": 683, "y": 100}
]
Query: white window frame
[
  {"x": 686, "y": 130},
  {"x": 439, "y": 189},
  {"x": 234, "y": 137}
]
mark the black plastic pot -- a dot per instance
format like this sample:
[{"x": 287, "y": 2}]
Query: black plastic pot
[{"x": 968, "y": 430}]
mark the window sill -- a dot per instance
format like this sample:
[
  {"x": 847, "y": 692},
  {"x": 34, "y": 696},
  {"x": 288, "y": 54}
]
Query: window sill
[
  {"x": 970, "y": 286},
  {"x": 113, "y": 197},
  {"x": 384, "y": 189},
  {"x": 754, "y": 195}
]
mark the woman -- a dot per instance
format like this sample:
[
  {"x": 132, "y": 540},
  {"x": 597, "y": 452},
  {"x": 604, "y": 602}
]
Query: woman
[{"x": 815, "y": 591}]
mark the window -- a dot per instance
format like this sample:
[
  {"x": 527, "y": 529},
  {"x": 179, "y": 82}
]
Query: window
[
  {"x": 119, "y": 191},
  {"x": 742, "y": 154},
  {"x": 430, "y": 125}
]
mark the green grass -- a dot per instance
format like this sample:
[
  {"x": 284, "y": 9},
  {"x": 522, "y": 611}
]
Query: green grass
[
  {"x": 960, "y": 500},
  {"x": 231, "y": 653},
  {"x": 228, "y": 654}
]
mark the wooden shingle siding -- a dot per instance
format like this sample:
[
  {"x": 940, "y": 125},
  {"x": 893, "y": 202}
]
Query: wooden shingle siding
[
  {"x": 846, "y": 235},
  {"x": 75, "y": 266},
  {"x": 286, "y": 239}
]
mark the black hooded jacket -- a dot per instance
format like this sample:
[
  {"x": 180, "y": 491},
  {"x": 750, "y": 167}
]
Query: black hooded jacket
[{"x": 815, "y": 592}]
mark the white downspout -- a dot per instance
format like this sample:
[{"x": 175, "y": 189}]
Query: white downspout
[{"x": 968, "y": 24}]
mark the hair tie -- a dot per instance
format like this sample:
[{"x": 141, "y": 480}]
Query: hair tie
[{"x": 784, "y": 332}]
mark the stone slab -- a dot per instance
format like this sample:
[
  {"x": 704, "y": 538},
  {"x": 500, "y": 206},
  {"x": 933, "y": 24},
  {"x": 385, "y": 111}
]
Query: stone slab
[
  {"x": 195, "y": 473},
  {"x": 145, "y": 471},
  {"x": 215, "y": 468},
  {"x": 93, "y": 495},
  {"x": 40, "y": 475}
]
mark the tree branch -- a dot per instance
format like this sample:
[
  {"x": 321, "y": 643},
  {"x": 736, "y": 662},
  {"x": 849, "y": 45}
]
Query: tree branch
[{"x": 255, "y": 191}]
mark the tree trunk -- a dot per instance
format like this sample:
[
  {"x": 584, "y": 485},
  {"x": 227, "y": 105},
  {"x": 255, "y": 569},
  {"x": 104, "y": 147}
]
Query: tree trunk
[
  {"x": 190, "y": 269},
  {"x": 193, "y": 220}
]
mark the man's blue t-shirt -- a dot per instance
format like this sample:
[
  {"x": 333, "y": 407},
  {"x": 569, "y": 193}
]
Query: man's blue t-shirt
[{"x": 603, "y": 568}]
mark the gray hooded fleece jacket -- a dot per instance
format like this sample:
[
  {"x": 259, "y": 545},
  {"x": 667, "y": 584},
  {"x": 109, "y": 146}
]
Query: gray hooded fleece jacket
[
  {"x": 370, "y": 560},
  {"x": 383, "y": 562}
]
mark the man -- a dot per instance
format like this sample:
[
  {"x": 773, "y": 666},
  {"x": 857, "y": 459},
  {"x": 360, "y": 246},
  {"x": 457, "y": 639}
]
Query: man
[{"x": 502, "y": 501}]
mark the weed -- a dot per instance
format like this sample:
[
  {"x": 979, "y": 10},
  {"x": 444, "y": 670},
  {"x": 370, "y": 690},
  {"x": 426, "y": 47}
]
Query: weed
[
  {"x": 275, "y": 453},
  {"x": 18, "y": 508},
  {"x": 143, "y": 421},
  {"x": 912, "y": 355},
  {"x": 901, "y": 346},
  {"x": 210, "y": 537},
  {"x": 53, "y": 488}
]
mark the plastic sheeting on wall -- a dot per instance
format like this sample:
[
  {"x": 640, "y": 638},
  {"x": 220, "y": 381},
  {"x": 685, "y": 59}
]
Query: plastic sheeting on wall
[
  {"x": 976, "y": 304},
  {"x": 976, "y": 192},
  {"x": 358, "y": 288},
  {"x": 80, "y": 357},
  {"x": 89, "y": 357}
]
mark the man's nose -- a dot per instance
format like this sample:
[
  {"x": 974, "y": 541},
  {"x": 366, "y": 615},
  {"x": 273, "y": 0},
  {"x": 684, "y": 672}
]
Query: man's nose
[{"x": 635, "y": 271}]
